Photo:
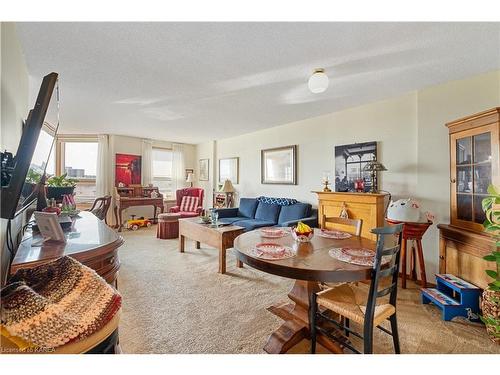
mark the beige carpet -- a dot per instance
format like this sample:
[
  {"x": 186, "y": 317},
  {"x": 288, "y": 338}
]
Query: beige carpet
[{"x": 178, "y": 303}]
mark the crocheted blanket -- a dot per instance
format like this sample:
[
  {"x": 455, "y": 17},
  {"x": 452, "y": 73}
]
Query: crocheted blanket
[
  {"x": 278, "y": 201},
  {"x": 56, "y": 303}
]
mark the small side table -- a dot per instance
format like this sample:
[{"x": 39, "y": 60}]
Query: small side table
[
  {"x": 413, "y": 232},
  {"x": 168, "y": 226}
]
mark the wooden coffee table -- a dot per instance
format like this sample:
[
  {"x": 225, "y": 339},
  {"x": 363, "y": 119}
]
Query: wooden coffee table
[{"x": 221, "y": 238}]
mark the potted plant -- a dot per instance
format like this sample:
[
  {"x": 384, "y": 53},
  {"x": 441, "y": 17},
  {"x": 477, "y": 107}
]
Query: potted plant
[
  {"x": 57, "y": 186},
  {"x": 490, "y": 304},
  {"x": 32, "y": 179}
]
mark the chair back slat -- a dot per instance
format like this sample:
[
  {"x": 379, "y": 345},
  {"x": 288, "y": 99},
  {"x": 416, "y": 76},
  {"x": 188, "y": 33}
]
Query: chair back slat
[
  {"x": 388, "y": 271},
  {"x": 380, "y": 271},
  {"x": 387, "y": 290},
  {"x": 355, "y": 223}
]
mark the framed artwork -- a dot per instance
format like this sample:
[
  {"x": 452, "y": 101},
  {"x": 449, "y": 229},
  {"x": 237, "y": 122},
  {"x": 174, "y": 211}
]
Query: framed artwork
[
  {"x": 127, "y": 169},
  {"x": 229, "y": 170},
  {"x": 349, "y": 163},
  {"x": 279, "y": 165},
  {"x": 204, "y": 169}
]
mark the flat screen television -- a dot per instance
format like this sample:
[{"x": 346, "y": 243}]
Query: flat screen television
[{"x": 17, "y": 193}]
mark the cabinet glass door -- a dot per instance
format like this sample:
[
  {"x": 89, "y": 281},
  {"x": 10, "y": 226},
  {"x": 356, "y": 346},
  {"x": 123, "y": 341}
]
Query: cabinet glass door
[{"x": 473, "y": 175}]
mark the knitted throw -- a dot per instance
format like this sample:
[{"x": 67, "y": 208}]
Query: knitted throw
[
  {"x": 56, "y": 303},
  {"x": 278, "y": 201}
]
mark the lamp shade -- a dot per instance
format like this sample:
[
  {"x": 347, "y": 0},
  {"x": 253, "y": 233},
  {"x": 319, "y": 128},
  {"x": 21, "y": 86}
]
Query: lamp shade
[
  {"x": 374, "y": 166},
  {"x": 228, "y": 187},
  {"x": 318, "y": 82},
  {"x": 189, "y": 177}
]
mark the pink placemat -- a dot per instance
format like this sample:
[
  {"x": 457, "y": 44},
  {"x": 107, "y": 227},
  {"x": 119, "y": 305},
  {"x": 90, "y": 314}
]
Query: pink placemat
[
  {"x": 272, "y": 251},
  {"x": 273, "y": 232},
  {"x": 359, "y": 256},
  {"x": 334, "y": 234}
]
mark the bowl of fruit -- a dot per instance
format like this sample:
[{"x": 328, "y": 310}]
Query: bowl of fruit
[{"x": 302, "y": 232}]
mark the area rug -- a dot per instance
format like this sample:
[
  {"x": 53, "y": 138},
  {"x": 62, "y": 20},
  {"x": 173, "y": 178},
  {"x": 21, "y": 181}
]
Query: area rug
[{"x": 178, "y": 303}]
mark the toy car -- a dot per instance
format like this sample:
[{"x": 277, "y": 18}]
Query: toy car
[{"x": 134, "y": 224}]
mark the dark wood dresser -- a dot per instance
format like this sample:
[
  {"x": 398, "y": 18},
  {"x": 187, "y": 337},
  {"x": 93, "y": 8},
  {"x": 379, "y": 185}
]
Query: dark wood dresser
[{"x": 90, "y": 241}]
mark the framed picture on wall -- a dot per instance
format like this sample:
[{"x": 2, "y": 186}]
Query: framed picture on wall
[
  {"x": 279, "y": 165},
  {"x": 127, "y": 169},
  {"x": 204, "y": 169},
  {"x": 349, "y": 163},
  {"x": 228, "y": 170}
]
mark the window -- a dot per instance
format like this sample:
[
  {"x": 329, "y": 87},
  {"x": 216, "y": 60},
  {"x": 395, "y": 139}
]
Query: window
[
  {"x": 78, "y": 159},
  {"x": 162, "y": 171}
]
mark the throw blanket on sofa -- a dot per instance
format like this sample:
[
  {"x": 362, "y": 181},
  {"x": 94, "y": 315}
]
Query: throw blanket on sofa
[
  {"x": 278, "y": 201},
  {"x": 57, "y": 303}
]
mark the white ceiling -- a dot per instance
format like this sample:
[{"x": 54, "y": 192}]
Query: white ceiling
[{"x": 192, "y": 82}]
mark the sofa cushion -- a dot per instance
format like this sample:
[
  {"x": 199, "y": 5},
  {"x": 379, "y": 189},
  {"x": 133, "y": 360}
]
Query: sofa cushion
[
  {"x": 189, "y": 204},
  {"x": 251, "y": 224},
  {"x": 294, "y": 212},
  {"x": 228, "y": 220},
  {"x": 267, "y": 212},
  {"x": 247, "y": 207}
]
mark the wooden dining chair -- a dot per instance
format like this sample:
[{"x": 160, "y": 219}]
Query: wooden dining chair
[
  {"x": 350, "y": 303},
  {"x": 100, "y": 207},
  {"x": 355, "y": 223}
]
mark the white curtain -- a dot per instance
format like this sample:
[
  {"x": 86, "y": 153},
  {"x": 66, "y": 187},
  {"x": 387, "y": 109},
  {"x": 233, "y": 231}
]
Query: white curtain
[
  {"x": 178, "y": 172},
  {"x": 147, "y": 162},
  {"x": 103, "y": 168}
]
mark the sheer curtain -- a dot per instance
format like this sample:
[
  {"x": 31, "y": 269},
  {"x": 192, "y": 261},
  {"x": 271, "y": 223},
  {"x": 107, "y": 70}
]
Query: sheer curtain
[
  {"x": 102, "y": 180},
  {"x": 147, "y": 162},
  {"x": 178, "y": 172}
]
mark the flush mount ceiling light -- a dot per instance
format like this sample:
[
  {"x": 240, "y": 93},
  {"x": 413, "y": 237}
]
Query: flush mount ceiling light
[{"x": 318, "y": 82}]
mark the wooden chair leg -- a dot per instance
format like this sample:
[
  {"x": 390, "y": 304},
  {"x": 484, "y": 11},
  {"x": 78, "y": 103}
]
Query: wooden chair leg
[
  {"x": 395, "y": 335},
  {"x": 313, "y": 308},
  {"x": 421, "y": 263}
]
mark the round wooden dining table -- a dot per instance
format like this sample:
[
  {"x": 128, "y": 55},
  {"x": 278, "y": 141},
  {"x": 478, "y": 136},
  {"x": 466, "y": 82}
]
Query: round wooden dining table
[{"x": 310, "y": 266}]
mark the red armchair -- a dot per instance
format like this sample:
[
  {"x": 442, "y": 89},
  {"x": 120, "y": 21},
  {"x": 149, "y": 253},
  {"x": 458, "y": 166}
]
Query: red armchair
[{"x": 191, "y": 192}]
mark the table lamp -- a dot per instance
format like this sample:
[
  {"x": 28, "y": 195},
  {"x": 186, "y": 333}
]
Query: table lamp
[
  {"x": 190, "y": 179},
  {"x": 373, "y": 167},
  {"x": 229, "y": 190}
]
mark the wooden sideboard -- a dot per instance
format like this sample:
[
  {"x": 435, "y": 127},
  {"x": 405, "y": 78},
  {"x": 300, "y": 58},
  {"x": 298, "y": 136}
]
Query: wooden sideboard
[
  {"x": 365, "y": 206},
  {"x": 90, "y": 241},
  {"x": 474, "y": 164}
]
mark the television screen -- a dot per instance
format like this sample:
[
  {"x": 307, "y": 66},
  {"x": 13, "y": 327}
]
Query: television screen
[{"x": 33, "y": 157}]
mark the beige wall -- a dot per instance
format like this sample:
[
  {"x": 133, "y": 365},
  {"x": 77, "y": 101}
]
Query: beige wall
[
  {"x": 14, "y": 109},
  {"x": 206, "y": 151},
  {"x": 412, "y": 144}
]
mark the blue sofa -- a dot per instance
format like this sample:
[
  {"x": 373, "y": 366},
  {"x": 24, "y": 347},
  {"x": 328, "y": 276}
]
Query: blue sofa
[{"x": 267, "y": 212}]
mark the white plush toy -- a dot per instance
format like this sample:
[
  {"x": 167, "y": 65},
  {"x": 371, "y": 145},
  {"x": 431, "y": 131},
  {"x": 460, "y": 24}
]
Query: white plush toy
[{"x": 407, "y": 210}]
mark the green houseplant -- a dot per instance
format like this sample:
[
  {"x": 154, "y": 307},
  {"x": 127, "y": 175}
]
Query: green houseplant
[
  {"x": 490, "y": 304},
  {"x": 57, "y": 186}
]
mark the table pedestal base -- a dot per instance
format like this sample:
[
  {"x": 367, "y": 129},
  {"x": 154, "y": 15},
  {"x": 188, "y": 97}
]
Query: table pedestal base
[{"x": 296, "y": 317}]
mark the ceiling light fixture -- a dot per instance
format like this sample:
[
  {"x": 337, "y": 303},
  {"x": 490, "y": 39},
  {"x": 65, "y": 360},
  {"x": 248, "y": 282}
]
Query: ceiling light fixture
[{"x": 318, "y": 82}]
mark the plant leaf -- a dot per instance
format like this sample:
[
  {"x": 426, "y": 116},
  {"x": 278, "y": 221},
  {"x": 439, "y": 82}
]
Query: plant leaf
[
  {"x": 492, "y": 274},
  {"x": 490, "y": 258},
  {"x": 492, "y": 190}
]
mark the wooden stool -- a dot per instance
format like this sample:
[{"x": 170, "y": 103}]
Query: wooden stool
[
  {"x": 413, "y": 232},
  {"x": 168, "y": 226}
]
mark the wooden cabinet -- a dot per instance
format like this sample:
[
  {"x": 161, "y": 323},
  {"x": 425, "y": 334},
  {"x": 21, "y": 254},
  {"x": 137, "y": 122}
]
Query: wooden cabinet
[
  {"x": 474, "y": 165},
  {"x": 365, "y": 206}
]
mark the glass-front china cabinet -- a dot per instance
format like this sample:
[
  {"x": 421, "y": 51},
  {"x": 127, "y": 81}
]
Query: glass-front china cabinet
[{"x": 474, "y": 165}]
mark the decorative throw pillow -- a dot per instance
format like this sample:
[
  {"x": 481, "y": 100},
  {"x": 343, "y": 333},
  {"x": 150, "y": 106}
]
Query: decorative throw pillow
[{"x": 189, "y": 204}]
